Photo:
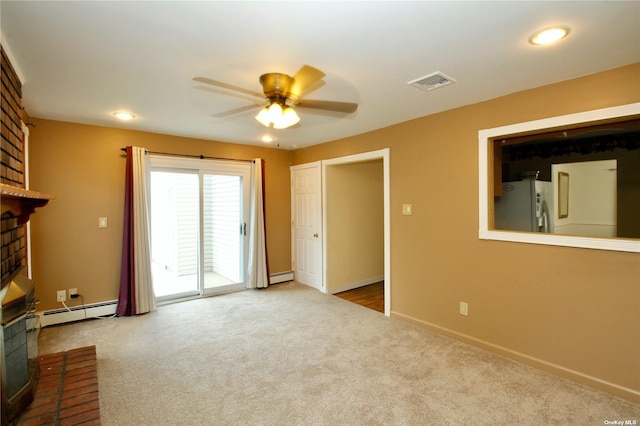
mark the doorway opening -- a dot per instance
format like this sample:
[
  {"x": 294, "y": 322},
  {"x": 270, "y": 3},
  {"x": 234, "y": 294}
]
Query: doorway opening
[{"x": 356, "y": 223}]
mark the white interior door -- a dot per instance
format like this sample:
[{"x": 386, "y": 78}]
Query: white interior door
[{"x": 306, "y": 224}]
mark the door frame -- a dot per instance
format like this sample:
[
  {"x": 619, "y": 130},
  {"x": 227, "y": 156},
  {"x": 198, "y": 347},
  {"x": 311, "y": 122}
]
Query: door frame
[
  {"x": 200, "y": 167},
  {"x": 382, "y": 154}
]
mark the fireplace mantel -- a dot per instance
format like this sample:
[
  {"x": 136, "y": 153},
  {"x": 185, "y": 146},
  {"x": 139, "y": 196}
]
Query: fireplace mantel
[{"x": 22, "y": 202}]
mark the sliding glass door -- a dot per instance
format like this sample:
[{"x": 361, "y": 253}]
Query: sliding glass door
[{"x": 198, "y": 216}]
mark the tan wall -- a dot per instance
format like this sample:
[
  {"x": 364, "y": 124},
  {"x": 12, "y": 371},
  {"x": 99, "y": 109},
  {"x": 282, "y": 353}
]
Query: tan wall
[
  {"x": 556, "y": 307},
  {"x": 355, "y": 224},
  {"x": 575, "y": 309},
  {"x": 84, "y": 168}
]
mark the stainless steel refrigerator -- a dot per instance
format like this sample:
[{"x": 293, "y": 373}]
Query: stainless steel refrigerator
[{"x": 525, "y": 205}]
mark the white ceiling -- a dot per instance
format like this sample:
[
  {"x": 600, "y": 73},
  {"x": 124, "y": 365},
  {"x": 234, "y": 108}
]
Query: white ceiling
[{"x": 82, "y": 61}]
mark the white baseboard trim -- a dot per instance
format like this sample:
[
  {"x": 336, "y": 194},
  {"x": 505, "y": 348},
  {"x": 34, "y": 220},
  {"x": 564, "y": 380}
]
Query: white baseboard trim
[
  {"x": 576, "y": 376},
  {"x": 77, "y": 313},
  {"x": 356, "y": 285},
  {"x": 281, "y": 277}
]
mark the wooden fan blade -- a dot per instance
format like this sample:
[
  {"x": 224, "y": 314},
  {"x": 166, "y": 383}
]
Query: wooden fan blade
[
  {"x": 227, "y": 86},
  {"x": 235, "y": 111},
  {"x": 305, "y": 77},
  {"x": 346, "y": 107}
]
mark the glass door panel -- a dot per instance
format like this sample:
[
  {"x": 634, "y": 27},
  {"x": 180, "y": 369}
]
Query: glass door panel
[
  {"x": 175, "y": 223},
  {"x": 222, "y": 231}
]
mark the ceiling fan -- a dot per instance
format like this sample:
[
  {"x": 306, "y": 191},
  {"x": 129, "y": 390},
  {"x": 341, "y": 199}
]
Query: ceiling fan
[{"x": 283, "y": 93}]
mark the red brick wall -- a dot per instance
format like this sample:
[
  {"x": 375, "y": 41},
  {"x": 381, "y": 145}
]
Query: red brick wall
[{"x": 12, "y": 166}]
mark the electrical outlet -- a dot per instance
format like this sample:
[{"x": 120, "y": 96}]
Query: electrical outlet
[
  {"x": 73, "y": 293},
  {"x": 61, "y": 296},
  {"x": 464, "y": 309}
]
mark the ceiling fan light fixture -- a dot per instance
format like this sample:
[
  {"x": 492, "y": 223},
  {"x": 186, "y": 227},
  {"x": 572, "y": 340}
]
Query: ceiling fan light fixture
[
  {"x": 264, "y": 117},
  {"x": 274, "y": 114},
  {"x": 289, "y": 117}
]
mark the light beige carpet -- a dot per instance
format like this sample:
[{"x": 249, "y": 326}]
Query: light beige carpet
[{"x": 290, "y": 355}]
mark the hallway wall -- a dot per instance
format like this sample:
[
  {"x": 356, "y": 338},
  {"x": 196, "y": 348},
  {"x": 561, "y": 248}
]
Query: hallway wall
[{"x": 355, "y": 225}]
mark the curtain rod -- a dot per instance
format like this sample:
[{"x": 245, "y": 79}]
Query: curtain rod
[{"x": 202, "y": 157}]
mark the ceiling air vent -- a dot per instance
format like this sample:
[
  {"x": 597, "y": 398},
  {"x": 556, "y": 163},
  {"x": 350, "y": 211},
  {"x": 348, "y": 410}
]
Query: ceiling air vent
[{"x": 432, "y": 81}]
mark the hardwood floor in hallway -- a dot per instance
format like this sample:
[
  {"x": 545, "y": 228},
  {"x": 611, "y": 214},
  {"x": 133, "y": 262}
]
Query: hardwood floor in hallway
[{"x": 370, "y": 296}]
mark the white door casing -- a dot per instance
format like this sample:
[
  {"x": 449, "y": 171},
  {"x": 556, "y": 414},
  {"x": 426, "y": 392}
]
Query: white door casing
[
  {"x": 384, "y": 155},
  {"x": 306, "y": 224}
]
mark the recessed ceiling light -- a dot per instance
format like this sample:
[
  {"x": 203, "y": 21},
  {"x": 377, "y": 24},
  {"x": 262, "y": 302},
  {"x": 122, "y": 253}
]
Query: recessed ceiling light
[
  {"x": 549, "y": 35},
  {"x": 267, "y": 138},
  {"x": 124, "y": 115}
]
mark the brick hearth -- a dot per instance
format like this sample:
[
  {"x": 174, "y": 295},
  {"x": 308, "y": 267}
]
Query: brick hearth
[{"x": 67, "y": 390}]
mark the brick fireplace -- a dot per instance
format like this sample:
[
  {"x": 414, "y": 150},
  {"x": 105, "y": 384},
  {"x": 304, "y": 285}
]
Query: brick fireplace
[
  {"x": 20, "y": 347},
  {"x": 18, "y": 321}
]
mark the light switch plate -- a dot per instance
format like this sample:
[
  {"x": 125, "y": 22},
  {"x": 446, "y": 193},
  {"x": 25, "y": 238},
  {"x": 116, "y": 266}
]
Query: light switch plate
[
  {"x": 464, "y": 308},
  {"x": 407, "y": 209},
  {"x": 102, "y": 222}
]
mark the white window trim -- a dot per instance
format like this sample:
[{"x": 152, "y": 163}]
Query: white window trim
[{"x": 487, "y": 135}]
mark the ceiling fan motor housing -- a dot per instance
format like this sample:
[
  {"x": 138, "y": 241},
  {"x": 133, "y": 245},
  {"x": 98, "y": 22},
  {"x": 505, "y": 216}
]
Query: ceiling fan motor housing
[{"x": 276, "y": 85}]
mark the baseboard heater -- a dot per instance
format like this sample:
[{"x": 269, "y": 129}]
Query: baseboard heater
[
  {"x": 77, "y": 313},
  {"x": 281, "y": 277}
]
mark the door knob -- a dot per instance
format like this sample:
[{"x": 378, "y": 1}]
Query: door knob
[{"x": 315, "y": 235}]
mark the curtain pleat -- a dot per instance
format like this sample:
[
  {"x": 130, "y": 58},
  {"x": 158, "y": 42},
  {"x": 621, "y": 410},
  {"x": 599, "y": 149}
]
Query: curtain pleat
[
  {"x": 257, "y": 270},
  {"x": 126, "y": 299},
  {"x": 136, "y": 288}
]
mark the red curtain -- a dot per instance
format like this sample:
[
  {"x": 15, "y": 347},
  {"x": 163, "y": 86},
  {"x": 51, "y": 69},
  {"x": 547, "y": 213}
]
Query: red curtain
[{"x": 127, "y": 297}]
